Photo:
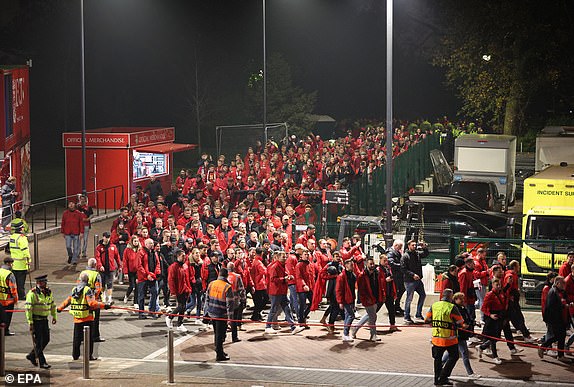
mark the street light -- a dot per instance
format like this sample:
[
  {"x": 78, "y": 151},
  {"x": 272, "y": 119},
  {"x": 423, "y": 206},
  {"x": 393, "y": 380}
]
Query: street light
[
  {"x": 83, "y": 99},
  {"x": 389, "y": 160},
  {"x": 264, "y": 78}
]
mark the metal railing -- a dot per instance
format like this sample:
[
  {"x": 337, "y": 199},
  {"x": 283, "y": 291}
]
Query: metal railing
[{"x": 48, "y": 214}]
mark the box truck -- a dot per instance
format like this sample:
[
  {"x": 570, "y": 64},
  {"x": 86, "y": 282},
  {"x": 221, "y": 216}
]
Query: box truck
[
  {"x": 548, "y": 222},
  {"x": 554, "y": 145},
  {"x": 488, "y": 157}
]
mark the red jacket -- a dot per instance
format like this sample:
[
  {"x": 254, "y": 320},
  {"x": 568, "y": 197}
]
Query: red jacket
[
  {"x": 569, "y": 289},
  {"x": 543, "y": 297},
  {"x": 513, "y": 288},
  {"x": 130, "y": 262},
  {"x": 366, "y": 294},
  {"x": 304, "y": 276},
  {"x": 344, "y": 294},
  {"x": 72, "y": 223},
  {"x": 113, "y": 256},
  {"x": 277, "y": 281},
  {"x": 224, "y": 242},
  {"x": 290, "y": 266},
  {"x": 143, "y": 266},
  {"x": 481, "y": 271},
  {"x": 565, "y": 269},
  {"x": 178, "y": 279},
  {"x": 465, "y": 280},
  {"x": 258, "y": 274},
  {"x": 322, "y": 259},
  {"x": 494, "y": 303},
  {"x": 356, "y": 253}
]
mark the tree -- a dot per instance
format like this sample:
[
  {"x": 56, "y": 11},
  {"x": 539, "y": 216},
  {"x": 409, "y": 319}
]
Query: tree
[
  {"x": 506, "y": 59},
  {"x": 285, "y": 101}
]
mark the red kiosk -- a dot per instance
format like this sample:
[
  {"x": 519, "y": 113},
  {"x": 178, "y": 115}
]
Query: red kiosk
[{"x": 120, "y": 157}]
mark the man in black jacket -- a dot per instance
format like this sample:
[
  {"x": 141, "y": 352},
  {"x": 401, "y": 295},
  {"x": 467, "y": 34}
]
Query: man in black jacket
[
  {"x": 412, "y": 269},
  {"x": 556, "y": 318},
  {"x": 394, "y": 255}
]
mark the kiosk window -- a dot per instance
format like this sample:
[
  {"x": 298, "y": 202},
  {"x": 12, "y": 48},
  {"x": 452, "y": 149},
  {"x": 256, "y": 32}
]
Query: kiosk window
[{"x": 148, "y": 164}]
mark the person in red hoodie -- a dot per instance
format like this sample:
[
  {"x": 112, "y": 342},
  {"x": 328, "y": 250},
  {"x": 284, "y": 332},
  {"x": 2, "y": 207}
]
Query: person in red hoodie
[
  {"x": 258, "y": 275},
  {"x": 108, "y": 260},
  {"x": 514, "y": 311},
  {"x": 130, "y": 267},
  {"x": 179, "y": 285},
  {"x": 466, "y": 282},
  {"x": 345, "y": 292},
  {"x": 224, "y": 234},
  {"x": 371, "y": 284},
  {"x": 481, "y": 273},
  {"x": 149, "y": 268},
  {"x": 72, "y": 227},
  {"x": 565, "y": 269},
  {"x": 278, "y": 280},
  {"x": 304, "y": 283}
]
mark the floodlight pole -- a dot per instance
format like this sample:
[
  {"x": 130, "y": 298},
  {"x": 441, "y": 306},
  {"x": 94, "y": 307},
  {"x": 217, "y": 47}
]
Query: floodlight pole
[
  {"x": 389, "y": 158},
  {"x": 264, "y": 78},
  {"x": 83, "y": 99}
]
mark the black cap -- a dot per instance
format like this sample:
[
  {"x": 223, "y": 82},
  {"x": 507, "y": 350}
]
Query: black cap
[
  {"x": 42, "y": 278},
  {"x": 571, "y": 252},
  {"x": 106, "y": 234},
  {"x": 8, "y": 260}
]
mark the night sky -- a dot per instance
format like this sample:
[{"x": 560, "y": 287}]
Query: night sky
[{"x": 141, "y": 55}]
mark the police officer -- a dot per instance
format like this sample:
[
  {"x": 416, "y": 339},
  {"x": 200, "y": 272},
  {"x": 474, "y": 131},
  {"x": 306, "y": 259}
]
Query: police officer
[
  {"x": 82, "y": 304},
  {"x": 39, "y": 306},
  {"x": 8, "y": 295},
  {"x": 444, "y": 317},
  {"x": 21, "y": 255}
]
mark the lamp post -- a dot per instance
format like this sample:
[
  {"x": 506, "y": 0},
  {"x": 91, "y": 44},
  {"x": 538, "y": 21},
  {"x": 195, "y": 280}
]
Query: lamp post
[
  {"x": 389, "y": 159},
  {"x": 264, "y": 77},
  {"x": 83, "y": 99}
]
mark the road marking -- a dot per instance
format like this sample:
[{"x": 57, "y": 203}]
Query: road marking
[
  {"x": 163, "y": 350},
  {"x": 127, "y": 362}
]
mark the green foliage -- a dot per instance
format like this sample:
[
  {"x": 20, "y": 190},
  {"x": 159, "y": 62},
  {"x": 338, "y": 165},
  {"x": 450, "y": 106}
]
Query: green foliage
[
  {"x": 426, "y": 126},
  {"x": 500, "y": 56},
  {"x": 285, "y": 101},
  {"x": 528, "y": 141}
]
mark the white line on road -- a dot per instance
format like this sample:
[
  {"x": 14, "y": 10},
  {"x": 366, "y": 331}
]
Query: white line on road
[{"x": 163, "y": 350}]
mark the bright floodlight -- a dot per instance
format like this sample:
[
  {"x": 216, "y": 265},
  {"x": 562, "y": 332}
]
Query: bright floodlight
[{"x": 486, "y": 58}]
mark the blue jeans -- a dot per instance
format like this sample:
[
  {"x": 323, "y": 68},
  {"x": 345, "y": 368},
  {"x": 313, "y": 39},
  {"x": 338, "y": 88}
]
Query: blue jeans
[
  {"x": 195, "y": 301},
  {"x": 463, "y": 349},
  {"x": 349, "y": 317},
  {"x": 143, "y": 287},
  {"x": 279, "y": 301},
  {"x": 86, "y": 236},
  {"x": 73, "y": 247},
  {"x": 293, "y": 301},
  {"x": 412, "y": 287},
  {"x": 480, "y": 293},
  {"x": 304, "y": 307},
  {"x": 371, "y": 317}
]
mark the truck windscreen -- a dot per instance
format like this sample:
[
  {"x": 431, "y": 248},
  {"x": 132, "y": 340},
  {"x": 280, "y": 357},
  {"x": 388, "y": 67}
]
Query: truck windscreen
[{"x": 550, "y": 227}]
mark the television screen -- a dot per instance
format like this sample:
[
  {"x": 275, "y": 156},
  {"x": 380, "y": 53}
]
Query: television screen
[{"x": 148, "y": 164}]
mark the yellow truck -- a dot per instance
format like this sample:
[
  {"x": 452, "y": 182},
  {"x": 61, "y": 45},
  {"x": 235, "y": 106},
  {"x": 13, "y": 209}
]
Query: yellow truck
[{"x": 548, "y": 222}]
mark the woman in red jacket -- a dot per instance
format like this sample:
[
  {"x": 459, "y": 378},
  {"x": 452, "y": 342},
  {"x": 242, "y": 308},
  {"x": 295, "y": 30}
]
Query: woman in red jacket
[
  {"x": 130, "y": 268},
  {"x": 179, "y": 285},
  {"x": 494, "y": 308},
  {"x": 345, "y": 291}
]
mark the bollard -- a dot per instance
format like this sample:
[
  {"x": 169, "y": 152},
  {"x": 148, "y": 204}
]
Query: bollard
[
  {"x": 170, "y": 368},
  {"x": 2, "y": 350},
  {"x": 36, "y": 253},
  {"x": 86, "y": 353}
]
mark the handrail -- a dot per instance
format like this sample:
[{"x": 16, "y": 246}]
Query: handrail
[{"x": 57, "y": 203}]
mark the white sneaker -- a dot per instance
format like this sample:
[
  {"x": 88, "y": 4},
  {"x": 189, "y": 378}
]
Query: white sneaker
[
  {"x": 474, "y": 376},
  {"x": 357, "y": 315},
  {"x": 514, "y": 351},
  {"x": 181, "y": 328},
  {"x": 297, "y": 330},
  {"x": 375, "y": 338},
  {"x": 269, "y": 331},
  {"x": 552, "y": 353},
  {"x": 347, "y": 339},
  {"x": 479, "y": 351},
  {"x": 168, "y": 322},
  {"x": 497, "y": 361},
  {"x": 529, "y": 339},
  {"x": 488, "y": 352},
  {"x": 474, "y": 339},
  {"x": 353, "y": 333},
  {"x": 125, "y": 299}
]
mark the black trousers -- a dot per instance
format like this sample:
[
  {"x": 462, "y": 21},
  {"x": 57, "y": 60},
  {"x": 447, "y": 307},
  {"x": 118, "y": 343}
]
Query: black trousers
[
  {"x": 304, "y": 306},
  {"x": 21, "y": 282},
  {"x": 79, "y": 338},
  {"x": 95, "y": 329},
  {"x": 6, "y": 316},
  {"x": 555, "y": 333},
  {"x": 494, "y": 328},
  {"x": 180, "y": 308},
  {"x": 132, "y": 277},
  {"x": 442, "y": 373},
  {"x": 164, "y": 288},
  {"x": 400, "y": 286},
  {"x": 237, "y": 316},
  {"x": 517, "y": 318},
  {"x": 41, "y": 334},
  {"x": 334, "y": 309},
  {"x": 259, "y": 301},
  {"x": 390, "y": 305},
  {"x": 219, "y": 333}
]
